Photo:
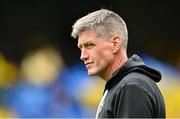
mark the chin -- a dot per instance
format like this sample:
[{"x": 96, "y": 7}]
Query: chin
[{"x": 92, "y": 73}]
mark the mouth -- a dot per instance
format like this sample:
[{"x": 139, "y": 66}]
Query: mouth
[{"x": 88, "y": 64}]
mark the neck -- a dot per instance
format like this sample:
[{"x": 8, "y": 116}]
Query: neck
[{"x": 119, "y": 59}]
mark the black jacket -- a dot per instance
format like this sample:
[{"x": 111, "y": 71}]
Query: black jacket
[{"x": 132, "y": 92}]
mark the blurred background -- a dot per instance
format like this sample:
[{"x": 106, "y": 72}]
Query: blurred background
[{"x": 41, "y": 74}]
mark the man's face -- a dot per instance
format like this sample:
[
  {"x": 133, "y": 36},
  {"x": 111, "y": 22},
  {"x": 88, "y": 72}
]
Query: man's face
[{"x": 96, "y": 53}]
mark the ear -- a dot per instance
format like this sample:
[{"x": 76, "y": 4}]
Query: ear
[{"x": 116, "y": 40}]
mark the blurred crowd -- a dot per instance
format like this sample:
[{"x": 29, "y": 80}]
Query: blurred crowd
[{"x": 42, "y": 86}]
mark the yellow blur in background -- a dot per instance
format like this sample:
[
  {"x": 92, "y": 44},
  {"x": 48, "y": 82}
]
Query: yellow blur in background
[{"x": 171, "y": 95}]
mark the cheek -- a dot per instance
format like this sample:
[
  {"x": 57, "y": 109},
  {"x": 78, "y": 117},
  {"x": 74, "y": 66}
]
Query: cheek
[
  {"x": 106, "y": 52},
  {"x": 105, "y": 56}
]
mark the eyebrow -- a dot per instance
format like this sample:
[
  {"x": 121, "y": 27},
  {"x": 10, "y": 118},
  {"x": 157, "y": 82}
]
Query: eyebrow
[{"x": 83, "y": 44}]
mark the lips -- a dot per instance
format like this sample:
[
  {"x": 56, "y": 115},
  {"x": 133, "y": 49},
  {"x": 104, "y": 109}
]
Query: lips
[{"x": 88, "y": 64}]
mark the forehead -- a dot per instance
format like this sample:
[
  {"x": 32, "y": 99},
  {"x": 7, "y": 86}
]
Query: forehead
[{"x": 88, "y": 36}]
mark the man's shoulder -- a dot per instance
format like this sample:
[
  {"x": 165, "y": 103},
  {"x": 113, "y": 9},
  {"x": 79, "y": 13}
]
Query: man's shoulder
[
  {"x": 138, "y": 80},
  {"x": 136, "y": 77}
]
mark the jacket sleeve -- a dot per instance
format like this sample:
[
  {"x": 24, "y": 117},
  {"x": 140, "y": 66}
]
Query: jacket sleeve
[{"x": 133, "y": 101}]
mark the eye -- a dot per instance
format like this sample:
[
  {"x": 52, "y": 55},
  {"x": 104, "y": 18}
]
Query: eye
[{"x": 89, "y": 45}]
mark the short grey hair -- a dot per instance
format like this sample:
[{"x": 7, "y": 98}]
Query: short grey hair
[{"x": 104, "y": 22}]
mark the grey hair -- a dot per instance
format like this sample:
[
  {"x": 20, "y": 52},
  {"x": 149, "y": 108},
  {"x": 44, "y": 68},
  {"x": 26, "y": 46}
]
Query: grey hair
[{"x": 105, "y": 23}]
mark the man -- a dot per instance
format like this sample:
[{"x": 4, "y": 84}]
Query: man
[{"x": 130, "y": 89}]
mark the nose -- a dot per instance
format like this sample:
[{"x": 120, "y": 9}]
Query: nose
[{"x": 84, "y": 55}]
